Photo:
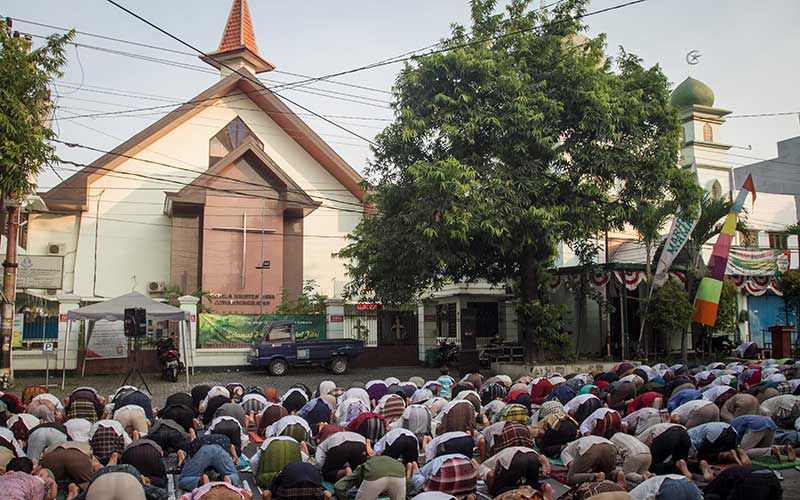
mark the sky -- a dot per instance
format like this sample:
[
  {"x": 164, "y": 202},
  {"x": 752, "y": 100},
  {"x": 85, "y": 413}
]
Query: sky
[{"x": 749, "y": 54}]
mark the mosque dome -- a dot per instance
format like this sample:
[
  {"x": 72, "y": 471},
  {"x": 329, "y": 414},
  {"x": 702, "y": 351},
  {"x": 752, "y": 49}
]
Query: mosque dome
[{"x": 692, "y": 92}]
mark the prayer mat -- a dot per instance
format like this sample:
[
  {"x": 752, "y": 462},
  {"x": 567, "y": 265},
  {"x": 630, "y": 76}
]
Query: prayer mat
[
  {"x": 773, "y": 464},
  {"x": 255, "y": 438}
]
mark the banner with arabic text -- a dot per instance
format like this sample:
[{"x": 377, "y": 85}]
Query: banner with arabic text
[{"x": 757, "y": 262}]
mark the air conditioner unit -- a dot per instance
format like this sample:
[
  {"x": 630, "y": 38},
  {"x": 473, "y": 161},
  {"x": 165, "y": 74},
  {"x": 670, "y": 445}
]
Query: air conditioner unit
[
  {"x": 156, "y": 286},
  {"x": 56, "y": 248}
]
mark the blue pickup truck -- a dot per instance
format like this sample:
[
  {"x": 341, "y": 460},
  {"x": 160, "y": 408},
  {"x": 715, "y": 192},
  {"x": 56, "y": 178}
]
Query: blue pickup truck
[{"x": 277, "y": 349}]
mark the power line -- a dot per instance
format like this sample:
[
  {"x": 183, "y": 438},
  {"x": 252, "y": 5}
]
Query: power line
[
  {"x": 760, "y": 115},
  {"x": 175, "y": 101},
  {"x": 184, "y": 53},
  {"x": 197, "y": 173},
  {"x": 332, "y": 94},
  {"x": 208, "y": 188},
  {"x": 216, "y": 123},
  {"x": 465, "y": 44},
  {"x": 404, "y": 57},
  {"x": 237, "y": 70},
  {"x": 180, "y": 226}
]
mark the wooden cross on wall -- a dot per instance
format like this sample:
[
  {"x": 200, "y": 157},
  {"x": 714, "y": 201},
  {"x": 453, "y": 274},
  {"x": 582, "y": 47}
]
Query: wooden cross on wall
[
  {"x": 398, "y": 329},
  {"x": 361, "y": 330}
]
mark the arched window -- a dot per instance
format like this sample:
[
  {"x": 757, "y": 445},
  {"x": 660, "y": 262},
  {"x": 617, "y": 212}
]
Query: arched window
[
  {"x": 708, "y": 133},
  {"x": 230, "y": 137}
]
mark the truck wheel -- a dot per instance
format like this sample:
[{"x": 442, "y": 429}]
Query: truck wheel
[
  {"x": 339, "y": 365},
  {"x": 278, "y": 367}
]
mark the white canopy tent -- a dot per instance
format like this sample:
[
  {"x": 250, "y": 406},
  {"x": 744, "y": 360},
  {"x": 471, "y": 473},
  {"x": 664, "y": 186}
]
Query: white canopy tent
[{"x": 114, "y": 310}]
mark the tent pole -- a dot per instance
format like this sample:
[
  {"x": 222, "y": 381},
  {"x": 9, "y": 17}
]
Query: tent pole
[
  {"x": 185, "y": 352},
  {"x": 191, "y": 349},
  {"x": 88, "y": 339},
  {"x": 64, "y": 361}
]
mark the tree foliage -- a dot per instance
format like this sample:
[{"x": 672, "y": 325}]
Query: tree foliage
[
  {"x": 25, "y": 76},
  {"x": 728, "y": 311},
  {"x": 521, "y": 134},
  {"x": 790, "y": 284},
  {"x": 309, "y": 301},
  {"x": 648, "y": 219},
  {"x": 712, "y": 218},
  {"x": 672, "y": 310}
]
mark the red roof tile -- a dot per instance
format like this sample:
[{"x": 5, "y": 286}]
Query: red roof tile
[{"x": 238, "y": 30}]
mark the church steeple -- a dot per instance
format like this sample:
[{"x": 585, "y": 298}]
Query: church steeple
[{"x": 237, "y": 48}]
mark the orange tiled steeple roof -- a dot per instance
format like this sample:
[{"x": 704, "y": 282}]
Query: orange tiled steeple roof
[
  {"x": 239, "y": 41},
  {"x": 239, "y": 29}
]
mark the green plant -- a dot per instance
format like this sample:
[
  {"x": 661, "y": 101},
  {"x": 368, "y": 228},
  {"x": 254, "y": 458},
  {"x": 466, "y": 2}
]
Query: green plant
[
  {"x": 309, "y": 301},
  {"x": 728, "y": 311},
  {"x": 173, "y": 292},
  {"x": 672, "y": 312}
]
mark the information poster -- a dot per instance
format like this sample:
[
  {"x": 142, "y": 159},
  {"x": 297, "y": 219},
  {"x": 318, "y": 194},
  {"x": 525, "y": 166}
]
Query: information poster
[{"x": 107, "y": 340}]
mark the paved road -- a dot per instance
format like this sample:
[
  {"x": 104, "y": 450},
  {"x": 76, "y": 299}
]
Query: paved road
[{"x": 107, "y": 384}]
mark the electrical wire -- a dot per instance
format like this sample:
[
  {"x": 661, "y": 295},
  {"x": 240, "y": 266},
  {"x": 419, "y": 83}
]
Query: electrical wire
[
  {"x": 208, "y": 188},
  {"x": 333, "y": 94},
  {"x": 198, "y": 173},
  {"x": 184, "y": 53},
  {"x": 404, "y": 57}
]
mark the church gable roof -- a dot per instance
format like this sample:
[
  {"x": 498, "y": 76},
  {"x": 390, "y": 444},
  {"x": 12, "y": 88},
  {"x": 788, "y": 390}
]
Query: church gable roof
[
  {"x": 71, "y": 194},
  {"x": 214, "y": 180}
]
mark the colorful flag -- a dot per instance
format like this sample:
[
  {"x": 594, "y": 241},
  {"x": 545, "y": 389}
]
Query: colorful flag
[
  {"x": 707, "y": 300},
  {"x": 682, "y": 227}
]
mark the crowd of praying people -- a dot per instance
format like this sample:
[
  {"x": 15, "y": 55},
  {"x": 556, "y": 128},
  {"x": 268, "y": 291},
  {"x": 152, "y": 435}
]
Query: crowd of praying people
[{"x": 634, "y": 432}]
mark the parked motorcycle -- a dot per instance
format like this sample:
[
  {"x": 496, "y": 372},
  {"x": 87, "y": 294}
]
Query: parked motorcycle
[
  {"x": 448, "y": 353},
  {"x": 169, "y": 359}
]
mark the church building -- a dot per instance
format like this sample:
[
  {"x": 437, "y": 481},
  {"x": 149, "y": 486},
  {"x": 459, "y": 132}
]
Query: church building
[{"x": 231, "y": 193}]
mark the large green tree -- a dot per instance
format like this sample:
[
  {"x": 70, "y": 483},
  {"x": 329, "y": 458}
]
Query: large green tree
[
  {"x": 25, "y": 76},
  {"x": 520, "y": 134}
]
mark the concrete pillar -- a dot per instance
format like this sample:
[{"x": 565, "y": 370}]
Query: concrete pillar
[
  {"x": 426, "y": 314},
  {"x": 67, "y": 303},
  {"x": 334, "y": 313},
  {"x": 189, "y": 304}
]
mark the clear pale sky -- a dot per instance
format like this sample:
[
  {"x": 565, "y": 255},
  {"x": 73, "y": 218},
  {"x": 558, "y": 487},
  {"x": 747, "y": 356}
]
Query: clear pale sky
[{"x": 749, "y": 57}]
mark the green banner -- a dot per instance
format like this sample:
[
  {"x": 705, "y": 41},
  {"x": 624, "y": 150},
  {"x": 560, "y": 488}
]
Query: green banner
[{"x": 243, "y": 328}]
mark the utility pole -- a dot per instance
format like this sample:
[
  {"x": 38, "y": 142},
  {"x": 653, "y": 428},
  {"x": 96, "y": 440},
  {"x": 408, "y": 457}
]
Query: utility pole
[
  {"x": 9, "y": 291},
  {"x": 11, "y": 203}
]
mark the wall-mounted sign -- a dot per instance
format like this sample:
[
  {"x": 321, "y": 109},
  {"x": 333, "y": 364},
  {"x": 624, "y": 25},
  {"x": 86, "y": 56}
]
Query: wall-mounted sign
[
  {"x": 40, "y": 271},
  {"x": 369, "y": 307},
  {"x": 240, "y": 299},
  {"x": 337, "y": 318}
]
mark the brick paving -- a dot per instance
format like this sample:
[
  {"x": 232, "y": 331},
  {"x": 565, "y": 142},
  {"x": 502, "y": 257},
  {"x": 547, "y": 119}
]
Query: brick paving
[{"x": 107, "y": 384}]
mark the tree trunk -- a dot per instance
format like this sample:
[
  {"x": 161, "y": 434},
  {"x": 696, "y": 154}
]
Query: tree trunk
[{"x": 529, "y": 293}]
